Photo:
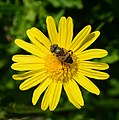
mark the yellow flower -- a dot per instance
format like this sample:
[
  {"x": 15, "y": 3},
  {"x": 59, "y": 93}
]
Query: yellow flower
[{"x": 50, "y": 71}]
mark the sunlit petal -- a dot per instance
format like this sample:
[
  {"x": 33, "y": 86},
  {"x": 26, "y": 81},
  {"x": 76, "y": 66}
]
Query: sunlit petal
[
  {"x": 92, "y": 53},
  {"x": 56, "y": 95},
  {"x": 33, "y": 81},
  {"x": 87, "y": 41},
  {"x": 39, "y": 90},
  {"x": 27, "y": 59},
  {"x": 36, "y": 42},
  {"x": 80, "y": 37},
  {"x": 47, "y": 98},
  {"x": 62, "y": 32},
  {"x": 27, "y": 66},
  {"x": 87, "y": 84},
  {"x": 30, "y": 48},
  {"x": 25, "y": 75},
  {"x": 93, "y": 65},
  {"x": 94, "y": 74},
  {"x": 52, "y": 31},
  {"x": 69, "y": 34},
  {"x": 73, "y": 92},
  {"x": 41, "y": 37}
]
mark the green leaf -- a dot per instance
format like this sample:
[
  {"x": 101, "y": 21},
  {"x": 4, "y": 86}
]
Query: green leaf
[{"x": 67, "y": 3}]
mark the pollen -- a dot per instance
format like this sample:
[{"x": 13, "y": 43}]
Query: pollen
[{"x": 58, "y": 70}]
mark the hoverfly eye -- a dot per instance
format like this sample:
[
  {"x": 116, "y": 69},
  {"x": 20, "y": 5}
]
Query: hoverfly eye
[{"x": 51, "y": 49}]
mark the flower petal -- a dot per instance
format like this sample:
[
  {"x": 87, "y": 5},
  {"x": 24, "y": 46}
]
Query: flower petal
[
  {"x": 36, "y": 42},
  {"x": 29, "y": 47},
  {"x": 39, "y": 90},
  {"x": 87, "y": 84},
  {"x": 74, "y": 94},
  {"x": 33, "y": 81},
  {"x": 52, "y": 96},
  {"x": 92, "y": 53},
  {"x": 93, "y": 65},
  {"x": 47, "y": 97},
  {"x": 27, "y": 59},
  {"x": 45, "y": 100},
  {"x": 41, "y": 37},
  {"x": 27, "y": 66},
  {"x": 56, "y": 95},
  {"x": 87, "y": 41},
  {"x": 25, "y": 75},
  {"x": 78, "y": 40},
  {"x": 69, "y": 33},
  {"x": 94, "y": 74},
  {"x": 62, "y": 28},
  {"x": 52, "y": 31}
]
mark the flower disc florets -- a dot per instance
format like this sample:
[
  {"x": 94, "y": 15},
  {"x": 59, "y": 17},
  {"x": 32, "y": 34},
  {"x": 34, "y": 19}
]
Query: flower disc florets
[{"x": 59, "y": 70}]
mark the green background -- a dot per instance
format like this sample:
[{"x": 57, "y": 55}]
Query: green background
[{"x": 16, "y": 16}]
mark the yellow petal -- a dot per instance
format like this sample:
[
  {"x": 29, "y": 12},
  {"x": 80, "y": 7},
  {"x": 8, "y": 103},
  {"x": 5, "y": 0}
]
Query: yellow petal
[
  {"x": 30, "y": 48},
  {"x": 69, "y": 33},
  {"x": 27, "y": 66},
  {"x": 25, "y": 75},
  {"x": 39, "y": 90},
  {"x": 45, "y": 101},
  {"x": 52, "y": 31},
  {"x": 36, "y": 42},
  {"x": 52, "y": 96},
  {"x": 47, "y": 97},
  {"x": 87, "y": 84},
  {"x": 41, "y": 37},
  {"x": 56, "y": 95},
  {"x": 27, "y": 59},
  {"x": 91, "y": 53},
  {"x": 87, "y": 41},
  {"x": 94, "y": 74},
  {"x": 74, "y": 94},
  {"x": 62, "y": 32},
  {"x": 78, "y": 40},
  {"x": 33, "y": 81},
  {"x": 93, "y": 65}
]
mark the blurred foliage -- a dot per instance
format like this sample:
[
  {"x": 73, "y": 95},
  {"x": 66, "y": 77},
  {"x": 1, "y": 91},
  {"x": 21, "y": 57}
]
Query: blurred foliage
[{"x": 18, "y": 15}]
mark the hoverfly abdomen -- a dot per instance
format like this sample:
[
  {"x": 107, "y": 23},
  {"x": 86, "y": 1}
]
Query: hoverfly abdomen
[{"x": 68, "y": 59}]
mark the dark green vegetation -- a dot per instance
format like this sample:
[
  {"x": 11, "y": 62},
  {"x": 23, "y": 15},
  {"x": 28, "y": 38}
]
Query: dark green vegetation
[{"x": 18, "y": 15}]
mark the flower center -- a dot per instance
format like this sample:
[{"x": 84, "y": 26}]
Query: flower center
[{"x": 58, "y": 70}]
